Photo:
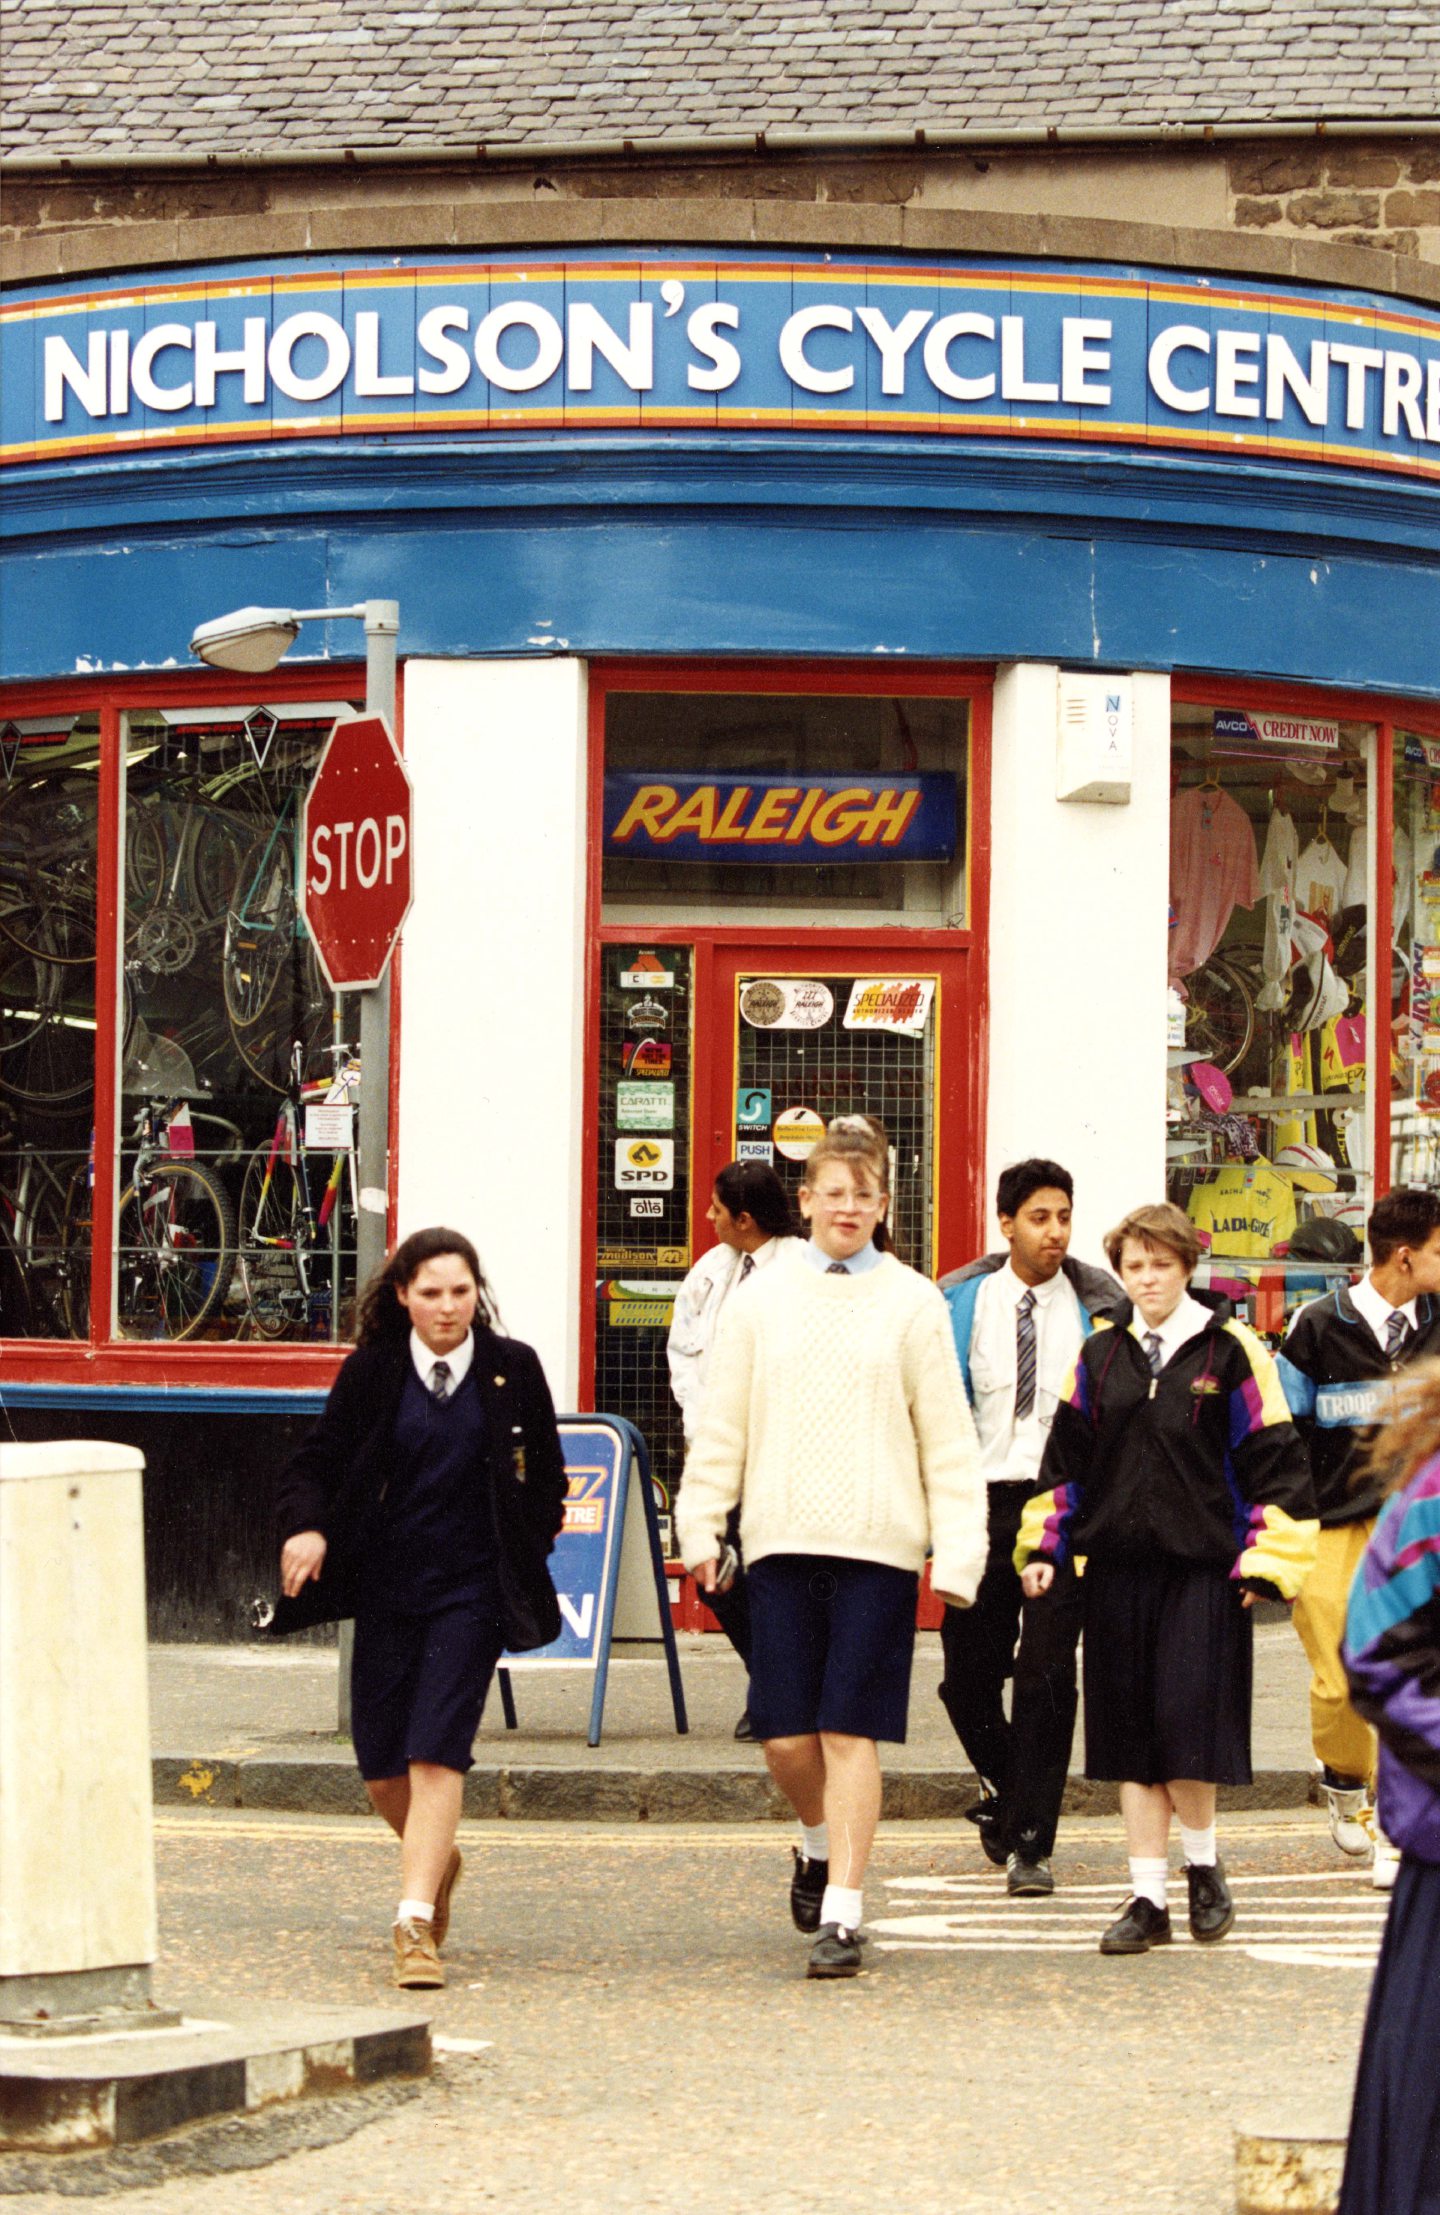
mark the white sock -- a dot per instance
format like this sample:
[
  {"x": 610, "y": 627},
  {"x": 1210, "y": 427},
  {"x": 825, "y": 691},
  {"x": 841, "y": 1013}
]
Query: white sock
[
  {"x": 841, "y": 1905},
  {"x": 815, "y": 1841},
  {"x": 1148, "y": 1878},
  {"x": 415, "y": 1911},
  {"x": 1198, "y": 1847}
]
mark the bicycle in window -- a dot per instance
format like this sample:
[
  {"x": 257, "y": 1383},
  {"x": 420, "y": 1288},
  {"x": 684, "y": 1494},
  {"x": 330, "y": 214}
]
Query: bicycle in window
[{"x": 295, "y": 1241}]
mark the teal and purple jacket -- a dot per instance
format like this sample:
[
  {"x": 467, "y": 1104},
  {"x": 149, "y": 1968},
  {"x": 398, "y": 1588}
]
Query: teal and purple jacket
[
  {"x": 1200, "y": 1463},
  {"x": 1392, "y": 1658}
]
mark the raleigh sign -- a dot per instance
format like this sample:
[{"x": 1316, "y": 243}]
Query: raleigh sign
[{"x": 442, "y": 348}]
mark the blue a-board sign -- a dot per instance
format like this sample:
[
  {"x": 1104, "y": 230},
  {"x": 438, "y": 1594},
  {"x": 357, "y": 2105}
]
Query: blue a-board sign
[{"x": 607, "y": 1566}]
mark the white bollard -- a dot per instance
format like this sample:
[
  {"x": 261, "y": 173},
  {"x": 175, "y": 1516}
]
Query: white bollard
[{"x": 77, "y": 1859}]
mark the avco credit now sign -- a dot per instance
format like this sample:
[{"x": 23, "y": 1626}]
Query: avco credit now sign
[{"x": 980, "y": 349}]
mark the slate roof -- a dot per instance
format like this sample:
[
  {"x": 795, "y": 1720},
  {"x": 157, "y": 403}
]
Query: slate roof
[{"x": 195, "y": 76}]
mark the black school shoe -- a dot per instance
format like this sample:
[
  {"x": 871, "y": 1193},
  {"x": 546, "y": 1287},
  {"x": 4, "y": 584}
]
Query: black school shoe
[
  {"x": 1142, "y": 1926},
  {"x": 989, "y": 1820},
  {"x": 808, "y": 1880},
  {"x": 835, "y": 1953},
  {"x": 1212, "y": 1910}
]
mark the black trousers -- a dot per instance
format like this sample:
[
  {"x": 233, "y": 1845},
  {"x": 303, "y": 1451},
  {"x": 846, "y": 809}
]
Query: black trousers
[{"x": 1027, "y": 1757}]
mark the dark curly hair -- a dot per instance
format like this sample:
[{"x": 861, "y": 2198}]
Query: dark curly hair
[{"x": 382, "y": 1317}]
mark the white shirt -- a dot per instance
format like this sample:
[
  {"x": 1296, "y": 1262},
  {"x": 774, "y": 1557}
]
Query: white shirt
[
  {"x": 1011, "y": 1452},
  {"x": 1377, "y": 1310},
  {"x": 458, "y": 1360},
  {"x": 856, "y": 1265},
  {"x": 1184, "y": 1322},
  {"x": 698, "y": 1307}
]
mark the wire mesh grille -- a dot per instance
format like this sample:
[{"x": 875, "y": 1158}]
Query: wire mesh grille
[
  {"x": 835, "y": 1071},
  {"x": 643, "y": 1242}
]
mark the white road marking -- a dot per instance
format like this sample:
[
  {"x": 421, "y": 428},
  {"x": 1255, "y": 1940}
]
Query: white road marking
[{"x": 1298, "y": 1920}]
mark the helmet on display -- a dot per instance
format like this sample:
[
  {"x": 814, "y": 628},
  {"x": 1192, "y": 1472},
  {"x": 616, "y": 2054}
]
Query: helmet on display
[
  {"x": 1212, "y": 1084},
  {"x": 1308, "y": 1168},
  {"x": 1321, "y": 1238}
]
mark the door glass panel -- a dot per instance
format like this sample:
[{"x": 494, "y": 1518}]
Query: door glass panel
[
  {"x": 850, "y": 1044},
  {"x": 49, "y": 816},
  {"x": 1414, "y": 981},
  {"x": 643, "y": 1190}
]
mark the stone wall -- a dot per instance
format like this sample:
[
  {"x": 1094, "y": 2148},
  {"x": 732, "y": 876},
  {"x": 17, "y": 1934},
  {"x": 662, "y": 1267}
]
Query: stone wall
[
  {"x": 1381, "y": 194},
  {"x": 1362, "y": 211}
]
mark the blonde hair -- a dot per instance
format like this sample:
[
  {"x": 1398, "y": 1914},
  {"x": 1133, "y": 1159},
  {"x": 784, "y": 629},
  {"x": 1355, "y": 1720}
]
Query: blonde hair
[
  {"x": 1163, "y": 1225},
  {"x": 1411, "y": 1435},
  {"x": 860, "y": 1144}
]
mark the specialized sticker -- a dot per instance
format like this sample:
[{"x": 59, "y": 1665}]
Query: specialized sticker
[
  {"x": 787, "y": 1004},
  {"x": 645, "y": 1107},
  {"x": 646, "y": 1057},
  {"x": 647, "y": 1015},
  {"x": 890, "y": 1004},
  {"x": 798, "y": 1131},
  {"x": 754, "y": 1149},
  {"x": 644, "y": 1164},
  {"x": 639, "y": 1257},
  {"x": 752, "y": 1106},
  {"x": 647, "y": 974}
]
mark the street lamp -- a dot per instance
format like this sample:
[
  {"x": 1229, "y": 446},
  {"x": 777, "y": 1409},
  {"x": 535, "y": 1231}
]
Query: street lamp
[{"x": 252, "y": 640}]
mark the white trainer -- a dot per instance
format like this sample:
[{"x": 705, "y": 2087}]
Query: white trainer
[
  {"x": 1385, "y": 1868},
  {"x": 1347, "y": 1808}
]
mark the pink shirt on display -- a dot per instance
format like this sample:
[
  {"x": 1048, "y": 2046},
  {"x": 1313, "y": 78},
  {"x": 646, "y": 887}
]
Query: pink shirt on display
[{"x": 1212, "y": 872}]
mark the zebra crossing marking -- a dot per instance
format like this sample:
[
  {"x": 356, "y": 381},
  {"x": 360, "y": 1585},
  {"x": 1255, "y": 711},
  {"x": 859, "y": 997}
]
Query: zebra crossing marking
[{"x": 1298, "y": 1920}]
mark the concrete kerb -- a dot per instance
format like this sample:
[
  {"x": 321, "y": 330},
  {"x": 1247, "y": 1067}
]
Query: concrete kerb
[
  {"x": 575, "y": 1792},
  {"x": 1290, "y": 2164}
]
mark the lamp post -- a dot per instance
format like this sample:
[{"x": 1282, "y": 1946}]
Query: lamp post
[{"x": 252, "y": 641}]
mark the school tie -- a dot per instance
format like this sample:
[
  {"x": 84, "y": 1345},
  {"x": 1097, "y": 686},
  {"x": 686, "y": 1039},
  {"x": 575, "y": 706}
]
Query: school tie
[
  {"x": 1152, "y": 1351},
  {"x": 746, "y": 1266},
  {"x": 440, "y": 1380},
  {"x": 1025, "y": 1357},
  {"x": 1395, "y": 1331},
  {"x": 837, "y": 1269}
]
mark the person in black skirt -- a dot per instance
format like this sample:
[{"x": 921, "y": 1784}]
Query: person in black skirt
[
  {"x": 1392, "y": 1658},
  {"x": 425, "y": 1504},
  {"x": 1173, "y": 1468}
]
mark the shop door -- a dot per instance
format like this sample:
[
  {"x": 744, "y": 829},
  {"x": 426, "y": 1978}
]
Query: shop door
[
  {"x": 709, "y": 1051},
  {"x": 846, "y": 1033}
]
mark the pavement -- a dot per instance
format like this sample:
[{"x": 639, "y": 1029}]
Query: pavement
[{"x": 255, "y": 1726}]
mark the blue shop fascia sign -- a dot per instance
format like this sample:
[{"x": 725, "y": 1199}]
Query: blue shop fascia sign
[
  {"x": 370, "y": 347},
  {"x": 777, "y": 820}
]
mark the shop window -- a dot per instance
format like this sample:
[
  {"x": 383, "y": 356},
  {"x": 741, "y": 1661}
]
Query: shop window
[
  {"x": 49, "y": 820},
  {"x": 1273, "y": 1050},
  {"x": 852, "y": 807},
  {"x": 235, "y": 1216},
  {"x": 1415, "y": 963}
]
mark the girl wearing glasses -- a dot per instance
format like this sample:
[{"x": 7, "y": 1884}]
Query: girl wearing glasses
[{"x": 835, "y": 1418}]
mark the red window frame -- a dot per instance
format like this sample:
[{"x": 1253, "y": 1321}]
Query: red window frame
[
  {"x": 961, "y": 1107},
  {"x": 102, "y": 1359},
  {"x": 1387, "y": 715}
]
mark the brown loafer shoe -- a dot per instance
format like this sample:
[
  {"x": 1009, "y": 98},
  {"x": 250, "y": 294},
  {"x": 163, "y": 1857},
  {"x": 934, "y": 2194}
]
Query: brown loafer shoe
[
  {"x": 417, "y": 1965},
  {"x": 441, "y": 1925}
]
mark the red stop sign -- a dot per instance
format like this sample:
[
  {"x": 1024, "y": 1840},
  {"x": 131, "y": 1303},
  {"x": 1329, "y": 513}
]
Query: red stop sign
[{"x": 355, "y": 878}]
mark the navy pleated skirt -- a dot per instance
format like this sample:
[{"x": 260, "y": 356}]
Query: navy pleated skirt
[
  {"x": 1168, "y": 1669},
  {"x": 1392, "y": 2166}
]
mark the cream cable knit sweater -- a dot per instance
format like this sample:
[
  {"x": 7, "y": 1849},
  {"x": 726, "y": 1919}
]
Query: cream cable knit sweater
[{"x": 835, "y": 1414}]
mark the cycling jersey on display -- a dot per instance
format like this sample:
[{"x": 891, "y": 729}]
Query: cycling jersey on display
[{"x": 1247, "y": 1208}]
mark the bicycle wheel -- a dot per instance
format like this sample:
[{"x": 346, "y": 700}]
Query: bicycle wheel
[
  {"x": 144, "y": 863},
  {"x": 1220, "y": 1017},
  {"x": 272, "y": 1236},
  {"x": 259, "y": 929},
  {"x": 76, "y": 1244},
  {"x": 47, "y": 1029},
  {"x": 175, "y": 1251},
  {"x": 300, "y": 1009},
  {"x": 60, "y": 931},
  {"x": 217, "y": 862},
  {"x": 48, "y": 1258}
]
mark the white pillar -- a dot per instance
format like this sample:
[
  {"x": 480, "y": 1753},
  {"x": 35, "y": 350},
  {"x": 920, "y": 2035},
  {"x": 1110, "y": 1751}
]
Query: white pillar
[
  {"x": 77, "y": 1866},
  {"x": 1079, "y": 894},
  {"x": 491, "y": 1037}
]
